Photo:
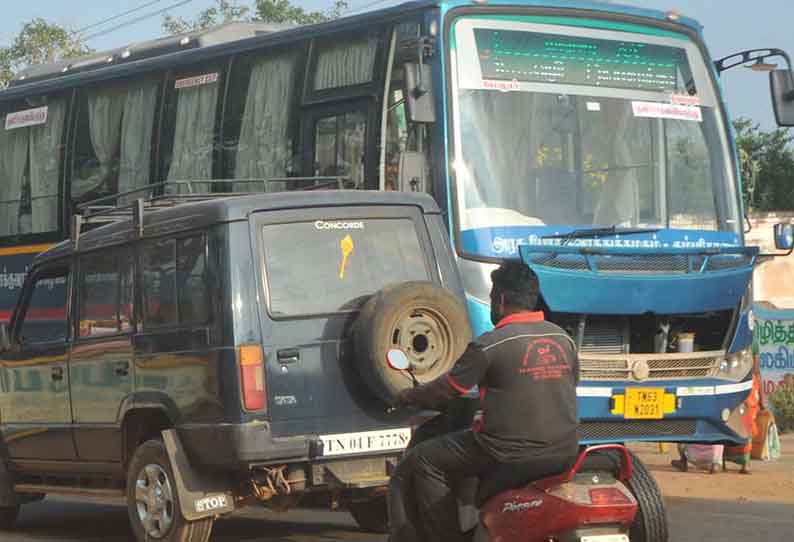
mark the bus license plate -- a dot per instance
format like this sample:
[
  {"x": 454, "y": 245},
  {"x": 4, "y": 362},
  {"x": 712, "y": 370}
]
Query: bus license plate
[{"x": 644, "y": 404}]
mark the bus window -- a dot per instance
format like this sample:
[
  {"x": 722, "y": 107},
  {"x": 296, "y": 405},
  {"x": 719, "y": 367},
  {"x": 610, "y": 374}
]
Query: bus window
[
  {"x": 345, "y": 63},
  {"x": 113, "y": 143},
  {"x": 31, "y": 153},
  {"x": 340, "y": 145},
  {"x": 258, "y": 120},
  {"x": 190, "y": 125}
]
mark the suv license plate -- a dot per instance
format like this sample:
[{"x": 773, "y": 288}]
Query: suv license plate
[
  {"x": 605, "y": 538},
  {"x": 369, "y": 441}
]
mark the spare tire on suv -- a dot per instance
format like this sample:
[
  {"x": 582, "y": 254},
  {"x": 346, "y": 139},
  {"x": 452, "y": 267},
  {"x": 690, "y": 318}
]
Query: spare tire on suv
[{"x": 427, "y": 322}]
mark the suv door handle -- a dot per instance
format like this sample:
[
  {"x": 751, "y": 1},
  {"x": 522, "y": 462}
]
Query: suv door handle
[
  {"x": 57, "y": 374},
  {"x": 122, "y": 368},
  {"x": 288, "y": 355}
]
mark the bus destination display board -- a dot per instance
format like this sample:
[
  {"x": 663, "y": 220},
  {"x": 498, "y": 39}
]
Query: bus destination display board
[{"x": 550, "y": 58}]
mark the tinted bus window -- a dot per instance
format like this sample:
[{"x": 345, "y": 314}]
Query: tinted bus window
[
  {"x": 259, "y": 118},
  {"x": 345, "y": 63},
  {"x": 31, "y": 153},
  {"x": 191, "y": 125},
  {"x": 113, "y": 143},
  {"x": 340, "y": 146}
]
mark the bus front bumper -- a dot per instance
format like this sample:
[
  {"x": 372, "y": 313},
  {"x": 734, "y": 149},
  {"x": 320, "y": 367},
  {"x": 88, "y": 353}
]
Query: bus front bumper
[{"x": 709, "y": 410}]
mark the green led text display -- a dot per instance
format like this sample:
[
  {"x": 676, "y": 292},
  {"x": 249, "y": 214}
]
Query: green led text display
[{"x": 535, "y": 57}]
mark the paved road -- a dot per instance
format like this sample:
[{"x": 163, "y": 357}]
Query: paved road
[{"x": 691, "y": 520}]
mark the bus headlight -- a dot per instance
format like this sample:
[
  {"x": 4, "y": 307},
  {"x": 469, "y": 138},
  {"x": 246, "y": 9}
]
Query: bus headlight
[{"x": 736, "y": 366}]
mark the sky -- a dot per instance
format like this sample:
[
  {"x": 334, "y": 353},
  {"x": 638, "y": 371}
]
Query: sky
[{"x": 730, "y": 26}]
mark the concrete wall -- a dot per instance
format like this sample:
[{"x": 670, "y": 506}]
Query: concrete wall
[{"x": 773, "y": 281}]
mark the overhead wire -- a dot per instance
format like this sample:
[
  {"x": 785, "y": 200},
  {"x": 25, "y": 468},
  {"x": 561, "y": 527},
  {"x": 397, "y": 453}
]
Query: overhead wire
[
  {"x": 136, "y": 20},
  {"x": 117, "y": 16}
]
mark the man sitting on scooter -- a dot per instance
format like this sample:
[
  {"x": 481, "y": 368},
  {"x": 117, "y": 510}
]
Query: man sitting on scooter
[{"x": 526, "y": 370}]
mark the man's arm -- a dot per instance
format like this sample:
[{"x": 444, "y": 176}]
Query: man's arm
[{"x": 468, "y": 372}]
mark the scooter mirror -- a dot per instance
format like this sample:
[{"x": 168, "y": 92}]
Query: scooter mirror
[{"x": 397, "y": 359}]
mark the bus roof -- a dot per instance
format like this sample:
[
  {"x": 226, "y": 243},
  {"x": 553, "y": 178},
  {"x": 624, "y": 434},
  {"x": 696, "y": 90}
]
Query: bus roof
[{"x": 233, "y": 38}]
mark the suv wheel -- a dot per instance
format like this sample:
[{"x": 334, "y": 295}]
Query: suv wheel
[
  {"x": 8, "y": 517},
  {"x": 152, "y": 502},
  {"x": 423, "y": 320}
]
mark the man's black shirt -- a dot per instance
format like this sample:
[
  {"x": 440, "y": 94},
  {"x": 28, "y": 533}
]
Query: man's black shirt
[{"x": 527, "y": 370}]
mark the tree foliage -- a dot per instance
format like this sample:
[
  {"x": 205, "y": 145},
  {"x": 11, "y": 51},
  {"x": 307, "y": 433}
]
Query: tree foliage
[
  {"x": 39, "y": 42},
  {"x": 223, "y": 11},
  {"x": 767, "y": 165},
  {"x": 268, "y": 11}
]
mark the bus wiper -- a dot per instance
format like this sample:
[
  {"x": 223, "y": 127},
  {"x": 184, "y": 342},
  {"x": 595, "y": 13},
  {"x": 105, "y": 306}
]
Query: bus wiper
[{"x": 597, "y": 232}]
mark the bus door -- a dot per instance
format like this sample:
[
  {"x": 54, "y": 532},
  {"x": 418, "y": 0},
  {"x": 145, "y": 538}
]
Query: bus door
[{"x": 339, "y": 141}]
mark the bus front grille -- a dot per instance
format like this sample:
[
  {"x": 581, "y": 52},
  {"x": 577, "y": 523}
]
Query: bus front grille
[
  {"x": 641, "y": 367},
  {"x": 627, "y": 429}
]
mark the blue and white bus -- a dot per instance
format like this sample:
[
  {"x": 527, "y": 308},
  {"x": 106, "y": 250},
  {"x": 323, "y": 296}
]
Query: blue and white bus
[{"x": 589, "y": 139}]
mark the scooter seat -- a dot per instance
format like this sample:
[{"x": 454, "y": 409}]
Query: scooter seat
[{"x": 508, "y": 476}]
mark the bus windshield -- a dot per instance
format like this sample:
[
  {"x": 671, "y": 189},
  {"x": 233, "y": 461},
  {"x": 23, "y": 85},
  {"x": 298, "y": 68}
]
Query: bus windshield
[{"x": 579, "y": 127}]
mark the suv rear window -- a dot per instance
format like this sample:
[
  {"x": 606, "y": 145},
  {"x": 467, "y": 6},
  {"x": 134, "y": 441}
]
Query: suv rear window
[{"x": 328, "y": 266}]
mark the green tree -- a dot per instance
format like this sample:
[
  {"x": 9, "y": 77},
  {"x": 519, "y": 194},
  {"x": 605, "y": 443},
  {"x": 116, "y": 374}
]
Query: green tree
[
  {"x": 268, "y": 11},
  {"x": 767, "y": 166},
  {"x": 223, "y": 11},
  {"x": 282, "y": 11},
  {"x": 39, "y": 42}
]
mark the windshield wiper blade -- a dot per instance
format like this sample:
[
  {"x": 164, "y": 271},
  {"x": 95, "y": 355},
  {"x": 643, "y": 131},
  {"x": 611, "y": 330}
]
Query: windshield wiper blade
[{"x": 597, "y": 232}]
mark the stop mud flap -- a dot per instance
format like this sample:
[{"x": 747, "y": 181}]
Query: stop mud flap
[{"x": 200, "y": 495}]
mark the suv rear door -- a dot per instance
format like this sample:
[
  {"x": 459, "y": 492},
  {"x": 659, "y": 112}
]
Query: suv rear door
[{"x": 317, "y": 268}]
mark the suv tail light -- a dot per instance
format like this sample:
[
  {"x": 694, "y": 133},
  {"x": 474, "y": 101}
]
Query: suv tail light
[{"x": 252, "y": 377}]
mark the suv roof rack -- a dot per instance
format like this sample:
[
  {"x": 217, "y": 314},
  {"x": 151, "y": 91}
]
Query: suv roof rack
[{"x": 133, "y": 204}]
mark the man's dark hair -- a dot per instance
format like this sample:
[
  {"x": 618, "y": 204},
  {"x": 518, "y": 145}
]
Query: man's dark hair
[{"x": 517, "y": 282}]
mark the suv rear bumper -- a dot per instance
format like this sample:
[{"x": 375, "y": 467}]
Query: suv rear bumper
[
  {"x": 235, "y": 446},
  {"x": 241, "y": 448}
]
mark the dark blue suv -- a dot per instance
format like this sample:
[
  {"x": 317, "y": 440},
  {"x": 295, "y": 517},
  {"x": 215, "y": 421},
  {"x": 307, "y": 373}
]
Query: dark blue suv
[{"x": 198, "y": 356}]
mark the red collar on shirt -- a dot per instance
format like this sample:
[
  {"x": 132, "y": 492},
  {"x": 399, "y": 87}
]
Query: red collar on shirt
[{"x": 524, "y": 317}]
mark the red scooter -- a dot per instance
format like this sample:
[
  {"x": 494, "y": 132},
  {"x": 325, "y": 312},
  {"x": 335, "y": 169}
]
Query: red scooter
[{"x": 588, "y": 503}]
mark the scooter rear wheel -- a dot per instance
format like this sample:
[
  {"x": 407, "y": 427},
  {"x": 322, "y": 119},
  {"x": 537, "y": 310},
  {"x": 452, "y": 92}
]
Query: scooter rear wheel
[{"x": 650, "y": 524}]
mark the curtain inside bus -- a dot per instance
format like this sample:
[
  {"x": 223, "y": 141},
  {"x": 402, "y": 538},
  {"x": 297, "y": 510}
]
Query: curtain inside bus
[
  {"x": 45, "y": 168},
  {"x": 119, "y": 129},
  {"x": 30, "y": 160},
  {"x": 263, "y": 150},
  {"x": 345, "y": 64},
  {"x": 14, "y": 145},
  {"x": 194, "y": 134}
]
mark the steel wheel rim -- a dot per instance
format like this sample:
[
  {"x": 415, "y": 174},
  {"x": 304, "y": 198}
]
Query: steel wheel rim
[
  {"x": 154, "y": 501},
  {"x": 425, "y": 335}
]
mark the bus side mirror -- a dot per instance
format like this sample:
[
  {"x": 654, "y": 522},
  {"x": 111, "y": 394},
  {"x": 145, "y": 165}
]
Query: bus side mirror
[
  {"x": 5, "y": 342},
  {"x": 782, "y": 84},
  {"x": 784, "y": 236},
  {"x": 418, "y": 92}
]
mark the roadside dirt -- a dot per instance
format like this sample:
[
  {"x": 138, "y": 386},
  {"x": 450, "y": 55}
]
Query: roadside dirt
[{"x": 769, "y": 481}]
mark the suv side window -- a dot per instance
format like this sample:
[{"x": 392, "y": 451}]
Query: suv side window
[
  {"x": 105, "y": 292},
  {"x": 45, "y": 318},
  {"x": 175, "y": 286}
]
